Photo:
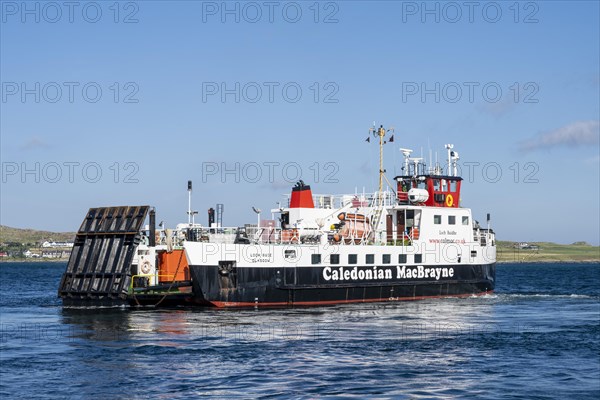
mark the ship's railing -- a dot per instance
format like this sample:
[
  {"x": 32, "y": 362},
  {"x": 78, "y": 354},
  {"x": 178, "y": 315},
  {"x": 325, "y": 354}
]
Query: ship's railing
[
  {"x": 251, "y": 234},
  {"x": 485, "y": 237},
  {"x": 222, "y": 235},
  {"x": 271, "y": 235},
  {"x": 336, "y": 201},
  {"x": 165, "y": 237}
]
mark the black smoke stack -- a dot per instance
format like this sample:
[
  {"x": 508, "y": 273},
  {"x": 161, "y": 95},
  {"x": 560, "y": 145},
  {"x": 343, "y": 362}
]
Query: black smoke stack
[
  {"x": 152, "y": 238},
  {"x": 189, "y": 185},
  {"x": 488, "y": 217},
  {"x": 211, "y": 217}
]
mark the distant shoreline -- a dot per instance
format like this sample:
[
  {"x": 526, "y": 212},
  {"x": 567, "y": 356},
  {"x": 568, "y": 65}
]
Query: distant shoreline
[{"x": 36, "y": 260}]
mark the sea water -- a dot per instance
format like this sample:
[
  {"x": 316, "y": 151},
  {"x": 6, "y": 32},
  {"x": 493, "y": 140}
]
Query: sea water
[{"x": 537, "y": 337}]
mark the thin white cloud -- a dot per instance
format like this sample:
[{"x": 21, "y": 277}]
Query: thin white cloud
[
  {"x": 592, "y": 160},
  {"x": 35, "y": 143},
  {"x": 580, "y": 133}
]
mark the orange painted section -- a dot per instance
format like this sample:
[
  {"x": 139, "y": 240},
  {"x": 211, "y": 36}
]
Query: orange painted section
[
  {"x": 167, "y": 266},
  {"x": 414, "y": 233}
]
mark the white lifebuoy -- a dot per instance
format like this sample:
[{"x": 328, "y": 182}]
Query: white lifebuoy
[{"x": 146, "y": 267}]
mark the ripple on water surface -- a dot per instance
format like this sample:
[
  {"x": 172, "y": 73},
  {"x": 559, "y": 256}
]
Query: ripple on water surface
[{"x": 536, "y": 337}]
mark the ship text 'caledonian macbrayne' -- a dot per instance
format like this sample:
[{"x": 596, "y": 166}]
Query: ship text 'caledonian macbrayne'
[{"x": 411, "y": 240}]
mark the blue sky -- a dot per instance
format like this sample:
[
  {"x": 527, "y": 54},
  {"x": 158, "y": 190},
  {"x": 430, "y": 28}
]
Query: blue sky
[{"x": 431, "y": 71}]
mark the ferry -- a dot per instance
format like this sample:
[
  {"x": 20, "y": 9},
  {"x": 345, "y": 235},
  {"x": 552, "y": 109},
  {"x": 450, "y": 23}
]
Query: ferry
[{"x": 412, "y": 240}]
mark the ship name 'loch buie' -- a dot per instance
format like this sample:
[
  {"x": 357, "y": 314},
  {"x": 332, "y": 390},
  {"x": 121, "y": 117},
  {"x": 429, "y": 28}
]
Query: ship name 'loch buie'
[{"x": 356, "y": 274}]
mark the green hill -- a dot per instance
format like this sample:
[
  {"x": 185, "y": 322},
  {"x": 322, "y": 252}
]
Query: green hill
[
  {"x": 547, "y": 251},
  {"x": 15, "y": 241},
  {"x": 31, "y": 237}
]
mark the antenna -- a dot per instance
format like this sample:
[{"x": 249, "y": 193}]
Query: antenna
[
  {"x": 449, "y": 147},
  {"x": 416, "y": 161},
  {"x": 455, "y": 159},
  {"x": 406, "y": 153},
  {"x": 257, "y": 211},
  {"x": 380, "y": 133},
  {"x": 190, "y": 213},
  {"x": 220, "y": 209},
  {"x": 189, "y": 203},
  {"x": 430, "y": 158}
]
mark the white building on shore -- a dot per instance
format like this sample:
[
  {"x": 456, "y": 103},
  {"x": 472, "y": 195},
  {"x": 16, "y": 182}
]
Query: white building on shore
[{"x": 54, "y": 245}]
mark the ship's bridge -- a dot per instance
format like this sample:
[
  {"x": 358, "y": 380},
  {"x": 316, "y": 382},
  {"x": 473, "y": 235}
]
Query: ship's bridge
[
  {"x": 429, "y": 190},
  {"x": 429, "y": 187}
]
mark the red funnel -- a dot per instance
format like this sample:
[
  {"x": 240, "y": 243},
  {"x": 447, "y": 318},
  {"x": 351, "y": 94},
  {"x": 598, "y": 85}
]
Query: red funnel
[{"x": 301, "y": 196}]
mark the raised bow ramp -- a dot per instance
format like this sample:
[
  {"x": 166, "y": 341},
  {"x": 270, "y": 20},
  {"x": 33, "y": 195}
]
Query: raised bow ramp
[{"x": 99, "y": 269}]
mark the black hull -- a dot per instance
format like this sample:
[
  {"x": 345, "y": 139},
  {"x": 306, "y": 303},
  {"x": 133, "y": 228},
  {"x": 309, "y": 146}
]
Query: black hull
[{"x": 307, "y": 286}]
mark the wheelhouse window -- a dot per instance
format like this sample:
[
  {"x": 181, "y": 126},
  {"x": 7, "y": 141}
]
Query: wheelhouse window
[
  {"x": 334, "y": 259},
  {"x": 437, "y": 219},
  {"x": 451, "y": 219},
  {"x": 370, "y": 259},
  {"x": 465, "y": 220},
  {"x": 352, "y": 259},
  {"x": 316, "y": 258},
  {"x": 418, "y": 258},
  {"x": 386, "y": 259},
  {"x": 402, "y": 258}
]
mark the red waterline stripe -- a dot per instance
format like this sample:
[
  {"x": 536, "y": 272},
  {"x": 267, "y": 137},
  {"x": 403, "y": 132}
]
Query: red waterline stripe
[{"x": 225, "y": 304}]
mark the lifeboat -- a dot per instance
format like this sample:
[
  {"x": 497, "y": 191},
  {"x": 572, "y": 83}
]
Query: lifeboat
[
  {"x": 357, "y": 228},
  {"x": 290, "y": 236}
]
